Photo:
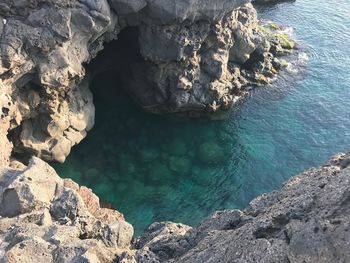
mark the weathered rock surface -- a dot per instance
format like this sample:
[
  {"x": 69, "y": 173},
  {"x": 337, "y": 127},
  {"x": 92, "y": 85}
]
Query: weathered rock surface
[
  {"x": 307, "y": 220},
  {"x": 47, "y": 219},
  {"x": 192, "y": 59},
  {"x": 201, "y": 65},
  {"x": 264, "y": 2},
  {"x": 43, "y": 48},
  {"x": 44, "y": 218}
]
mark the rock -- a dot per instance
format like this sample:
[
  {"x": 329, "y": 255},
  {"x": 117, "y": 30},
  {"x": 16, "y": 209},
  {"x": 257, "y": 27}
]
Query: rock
[
  {"x": 179, "y": 164},
  {"x": 118, "y": 234},
  {"x": 33, "y": 188},
  {"x": 304, "y": 221},
  {"x": 92, "y": 203},
  {"x": 48, "y": 219},
  {"x": 264, "y": 2},
  {"x": 126, "y": 7},
  {"x": 91, "y": 251},
  {"x": 159, "y": 172},
  {"x": 164, "y": 240},
  {"x": 186, "y": 56},
  {"x": 193, "y": 72},
  {"x": 178, "y": 147},
  {"x": 210, "y": 152},
  {"x": 46, "y": 59},
  {"x": 30, "y": 250},
  {"x": 67, "y": 206},
  {"x": 307, "y": 220}
]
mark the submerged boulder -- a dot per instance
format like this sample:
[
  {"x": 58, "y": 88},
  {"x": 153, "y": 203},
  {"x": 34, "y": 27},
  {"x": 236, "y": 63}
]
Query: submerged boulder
[
  {"x": 307, "y": 220},
  {"x": 211, "y": 152}
]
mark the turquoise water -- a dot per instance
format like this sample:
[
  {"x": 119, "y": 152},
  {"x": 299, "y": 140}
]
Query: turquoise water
[{"x": 157, "y": 168}]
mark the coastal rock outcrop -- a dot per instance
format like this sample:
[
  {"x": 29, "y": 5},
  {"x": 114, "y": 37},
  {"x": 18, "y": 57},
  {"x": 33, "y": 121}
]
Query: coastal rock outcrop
[
  {"x": 43, "y": 48},
  {"x": 201, "y": 65},
  {"x": 264, "y": 2},
  {"x": 307, "y": 220},
  {"x": 194, "y": 56},
  {"x": 44, "y": 218}
]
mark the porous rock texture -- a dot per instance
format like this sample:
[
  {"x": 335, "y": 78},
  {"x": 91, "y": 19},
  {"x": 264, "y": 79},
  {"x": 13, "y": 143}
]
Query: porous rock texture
[
  {"x": 44, "y": 218},
  {"x": 47, "y": 219},
  {"x": 196, "y": 55},
  {"x": 264, "y": 2},
  {"x": 308, "y": 220}
]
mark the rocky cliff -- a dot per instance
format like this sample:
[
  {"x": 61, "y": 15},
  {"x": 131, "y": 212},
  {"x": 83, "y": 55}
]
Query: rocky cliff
[
  {"x": 47, "y": 219},
  {"x": 193, "y": 56}
]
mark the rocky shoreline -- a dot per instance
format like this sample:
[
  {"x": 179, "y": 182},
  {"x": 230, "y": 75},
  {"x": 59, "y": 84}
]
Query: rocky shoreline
[
  {"x": 197, "y": 58},
  {"x": 48, "y": 219},
  {"x": 194, "y": 58}
]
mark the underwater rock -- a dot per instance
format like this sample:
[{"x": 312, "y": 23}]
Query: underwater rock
[
  {"x": 148, "y": 155},
  {"x": 159, "y": 172},
  {"x": 306, "y": 220},
  {"x": 92, "y": 174},
  {"x": 179, "y": 164},
  {"x": 211, "y": 152},
  {"x": 177, "y": 147}
]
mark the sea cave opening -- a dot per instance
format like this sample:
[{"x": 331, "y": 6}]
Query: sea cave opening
[
  {"x": 157, "y": 168},
  {"x": 149, "y": 167}
]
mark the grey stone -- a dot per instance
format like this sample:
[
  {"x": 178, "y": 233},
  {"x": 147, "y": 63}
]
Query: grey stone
[
  {"x": 118, "y": 234},
  {"x": 307, "y": 220}
]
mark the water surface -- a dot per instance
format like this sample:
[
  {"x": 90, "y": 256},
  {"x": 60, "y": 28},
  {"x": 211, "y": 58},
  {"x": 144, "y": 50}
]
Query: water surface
[{"x": 154, "y": 168}]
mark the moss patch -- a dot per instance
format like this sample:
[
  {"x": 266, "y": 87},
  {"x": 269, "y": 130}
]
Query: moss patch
[{"x": 285, "y": 41}]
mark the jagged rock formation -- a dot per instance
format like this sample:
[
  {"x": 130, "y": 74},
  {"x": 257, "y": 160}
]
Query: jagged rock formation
[
  {"x": 201, "y": 64},
  {"x": 306, "y": 221},
  {"x": 44, "y": 218},
  {"x": 48, "y": 219},
  {"x": 264, "y": 2},
  {"x": 43, "y": 46},
  {"x": 195, "y": 56}
]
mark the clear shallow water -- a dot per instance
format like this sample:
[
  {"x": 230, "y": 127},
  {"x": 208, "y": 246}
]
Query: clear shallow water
[{"x": 154, "y": 169}]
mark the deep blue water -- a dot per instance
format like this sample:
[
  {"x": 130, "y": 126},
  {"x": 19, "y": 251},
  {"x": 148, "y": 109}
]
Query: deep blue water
[{"x": 155, "y": 168}]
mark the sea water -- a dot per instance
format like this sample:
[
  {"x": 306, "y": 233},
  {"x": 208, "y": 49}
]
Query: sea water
[{"x": 157, "y": 168}]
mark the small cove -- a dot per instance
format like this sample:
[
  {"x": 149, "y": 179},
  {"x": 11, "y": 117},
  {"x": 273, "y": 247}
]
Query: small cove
[{"x": 155, "y": 168}]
